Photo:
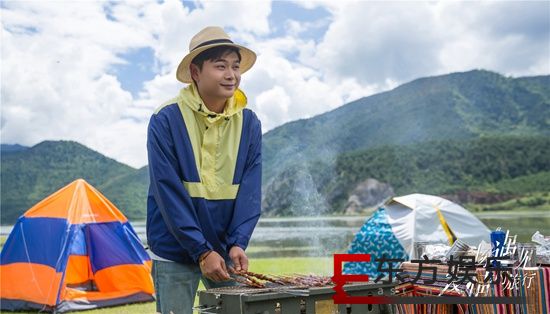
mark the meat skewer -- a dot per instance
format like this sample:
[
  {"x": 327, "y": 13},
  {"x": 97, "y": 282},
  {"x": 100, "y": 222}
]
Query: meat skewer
[
  {"x": 264, "y": 277},
  {"x": 252, "y": 279},
  {"x": 248, "y": 282}
]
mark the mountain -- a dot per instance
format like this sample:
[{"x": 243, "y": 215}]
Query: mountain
[
  {"x": 129, "y": 192},
  {"x": 475, "y": 136},
  {"x": 28, "y": 175},
  {"x": 446, "y": 167},
  {"x": 11, "y": 148},
  {"x": 490, "y": 168},
  {"x": 455, "y": 106},
  {"x": 300, "y": 156}
]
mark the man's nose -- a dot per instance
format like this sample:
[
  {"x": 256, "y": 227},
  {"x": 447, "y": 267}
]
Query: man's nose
[{"x": 230, "y": 74}]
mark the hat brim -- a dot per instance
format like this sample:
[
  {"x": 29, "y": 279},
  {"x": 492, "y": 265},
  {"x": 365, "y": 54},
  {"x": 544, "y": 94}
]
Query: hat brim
[{"x": 248, "y": 58}]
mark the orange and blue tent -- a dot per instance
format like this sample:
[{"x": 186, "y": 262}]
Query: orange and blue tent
[{"x": 74, "y": 250}]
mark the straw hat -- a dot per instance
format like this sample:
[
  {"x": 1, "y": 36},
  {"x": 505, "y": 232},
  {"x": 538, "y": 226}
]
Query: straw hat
[{"x": 210, "y": 37}]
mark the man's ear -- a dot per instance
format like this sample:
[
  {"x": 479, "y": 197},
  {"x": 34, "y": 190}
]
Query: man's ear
[{"x": 194, "y": 69}]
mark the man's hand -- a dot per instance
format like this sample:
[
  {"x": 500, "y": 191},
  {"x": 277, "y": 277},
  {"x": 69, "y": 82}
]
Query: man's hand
[
  {"x": 213, "y": 267},
  {"x": 239, "y": 258}
]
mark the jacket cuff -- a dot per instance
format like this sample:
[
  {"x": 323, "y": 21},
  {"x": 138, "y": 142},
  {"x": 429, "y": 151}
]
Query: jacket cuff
[
  {"x": 241, "y": 242},
  {"x": 203, "y": 248}
]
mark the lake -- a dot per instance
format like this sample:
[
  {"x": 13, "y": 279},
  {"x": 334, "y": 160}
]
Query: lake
[{"x": 324, "y": 236}]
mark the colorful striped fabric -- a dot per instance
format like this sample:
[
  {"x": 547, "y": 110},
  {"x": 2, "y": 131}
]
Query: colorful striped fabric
[
  {"x": 74, "y": 250},
  {"x": 536, "y": 289},
  {"x": 533, "y": 285}
]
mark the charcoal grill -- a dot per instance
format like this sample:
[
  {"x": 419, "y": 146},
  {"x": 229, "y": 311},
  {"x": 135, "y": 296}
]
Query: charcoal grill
[{"x": 289, "y": 300}]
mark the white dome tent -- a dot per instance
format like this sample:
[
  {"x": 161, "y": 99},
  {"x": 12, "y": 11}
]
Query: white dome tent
[
  {"x": 427, "y": 218},
  {"x": 394, "y": 228}
]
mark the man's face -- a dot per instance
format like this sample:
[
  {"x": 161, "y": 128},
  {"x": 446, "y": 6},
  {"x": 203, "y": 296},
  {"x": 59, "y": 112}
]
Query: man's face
[{"x": 220, "y": 78}]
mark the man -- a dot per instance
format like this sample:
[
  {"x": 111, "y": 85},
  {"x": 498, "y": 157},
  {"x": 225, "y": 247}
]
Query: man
[{"x": 205, "y": 165}]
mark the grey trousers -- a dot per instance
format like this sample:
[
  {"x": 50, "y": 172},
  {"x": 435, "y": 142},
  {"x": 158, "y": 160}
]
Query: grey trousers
[{"x": 176, "y": 286}]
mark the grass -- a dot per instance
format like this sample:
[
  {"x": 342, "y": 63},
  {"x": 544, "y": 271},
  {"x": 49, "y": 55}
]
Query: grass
[
  {"x": 275, "y": 266},
  {"x": 538, "y": 201},
  {"x": 290, "y": 265},
  {"x": 124, "y": 309}
]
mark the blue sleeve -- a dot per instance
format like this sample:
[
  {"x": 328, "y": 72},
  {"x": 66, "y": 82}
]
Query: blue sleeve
[
  {"x": 173, "y": 200},
  {"x": 248, "y": 202}
]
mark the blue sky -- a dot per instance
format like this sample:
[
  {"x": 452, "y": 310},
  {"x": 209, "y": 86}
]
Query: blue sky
[
  {"x": 139, "y": 68},
  {"x": 94, "y": 71}
]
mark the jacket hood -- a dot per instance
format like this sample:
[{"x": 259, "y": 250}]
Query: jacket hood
[{"x": 189, "y": 96}]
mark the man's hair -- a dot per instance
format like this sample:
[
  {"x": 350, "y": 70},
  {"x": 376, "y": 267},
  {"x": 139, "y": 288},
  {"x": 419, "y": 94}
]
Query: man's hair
[{"x": 213, "y": 54}]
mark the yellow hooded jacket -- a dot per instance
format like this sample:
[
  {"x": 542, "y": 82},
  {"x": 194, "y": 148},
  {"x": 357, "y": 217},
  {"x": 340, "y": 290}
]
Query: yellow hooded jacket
[{"x": 205, "y": 176}]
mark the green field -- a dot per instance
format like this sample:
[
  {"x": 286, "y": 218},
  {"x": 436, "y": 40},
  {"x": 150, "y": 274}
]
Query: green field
[
  {"x": 301, "y": 265},
  {"x": 537, "y": 201}
]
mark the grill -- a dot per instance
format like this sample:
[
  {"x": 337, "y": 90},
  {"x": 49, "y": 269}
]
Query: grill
[{"x": 289, "y": 300}]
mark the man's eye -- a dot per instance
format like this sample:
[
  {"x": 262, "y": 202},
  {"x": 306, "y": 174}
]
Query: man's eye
[
  {"x": 236, "y": 67},
  {"x": 220, "y": 66}
]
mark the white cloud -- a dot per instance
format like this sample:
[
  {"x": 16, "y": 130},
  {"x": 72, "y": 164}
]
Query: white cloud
[
  {"x": 177, "y": 24},
  {"x": 55, "y": 64},
  {"x": 281, "y": 90},
  {"x": 273, "y": 106},
  {"x": 375, "y": 41},
  {"x": 512, "y": 38},
  {"x": 56, "y": 59}
]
